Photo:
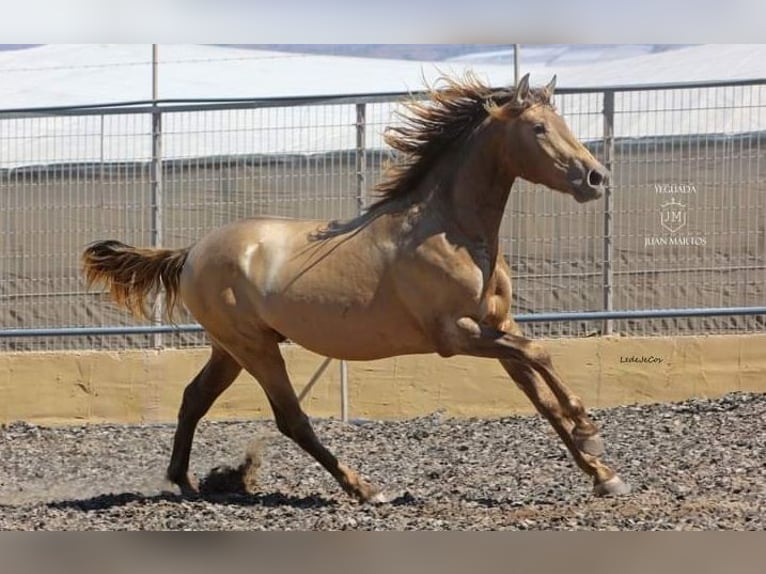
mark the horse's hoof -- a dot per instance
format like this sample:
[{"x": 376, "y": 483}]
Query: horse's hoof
[
  {"x": 189, "y": 486},
  {"x": 379, "y": 497},
  {"x": 189, "y": 492},
  {"x": 591, "y": 444},
  {"x": 612, "y": 487}
]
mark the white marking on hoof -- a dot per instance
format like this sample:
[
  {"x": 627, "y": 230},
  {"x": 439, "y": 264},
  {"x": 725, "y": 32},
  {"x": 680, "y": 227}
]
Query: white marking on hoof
[
  {"x": 592, "y": 445},
  {"x": 612, "y": 487},
  {"x": 379, "y": 498}
]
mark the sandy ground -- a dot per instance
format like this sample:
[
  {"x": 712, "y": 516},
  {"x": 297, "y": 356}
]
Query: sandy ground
[{"x": 696, "y": 465}]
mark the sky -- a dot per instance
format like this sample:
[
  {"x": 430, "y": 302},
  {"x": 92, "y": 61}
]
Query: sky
[{"x": 426, "y": 21}]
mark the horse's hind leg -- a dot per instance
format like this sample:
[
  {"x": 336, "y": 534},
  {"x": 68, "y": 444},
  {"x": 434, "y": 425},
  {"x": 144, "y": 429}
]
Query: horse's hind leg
[
  {"x": 268, "y": 367},
  {"x": 214, "y": 378}
]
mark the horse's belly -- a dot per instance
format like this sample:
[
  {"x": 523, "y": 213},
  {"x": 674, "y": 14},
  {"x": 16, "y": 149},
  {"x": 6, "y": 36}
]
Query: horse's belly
[{"x": 349, "y": 333}]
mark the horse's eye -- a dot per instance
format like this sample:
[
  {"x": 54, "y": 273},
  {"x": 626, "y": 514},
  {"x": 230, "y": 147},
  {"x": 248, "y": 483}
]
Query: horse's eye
[{"x": 539, "y": 129}]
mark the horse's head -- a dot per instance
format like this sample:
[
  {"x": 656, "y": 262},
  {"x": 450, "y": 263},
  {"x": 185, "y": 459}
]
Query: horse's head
[{"x": 542, "y": 149}]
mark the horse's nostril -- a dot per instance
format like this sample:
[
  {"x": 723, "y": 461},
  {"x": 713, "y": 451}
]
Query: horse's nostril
[{"x": 595, "y": 178}]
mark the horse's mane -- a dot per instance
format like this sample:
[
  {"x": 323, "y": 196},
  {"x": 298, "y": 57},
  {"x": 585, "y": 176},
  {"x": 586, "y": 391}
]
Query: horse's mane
[{"x": 429, "y": 127}]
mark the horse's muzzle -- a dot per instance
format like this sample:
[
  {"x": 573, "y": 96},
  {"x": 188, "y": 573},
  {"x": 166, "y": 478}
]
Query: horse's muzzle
[{"x": 588, "y": 183}]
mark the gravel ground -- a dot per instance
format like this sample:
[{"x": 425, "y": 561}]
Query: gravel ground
[{"x": 694, "y": 465}]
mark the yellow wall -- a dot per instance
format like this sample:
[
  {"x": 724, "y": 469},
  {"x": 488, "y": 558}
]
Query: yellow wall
[{"x": 146, "y": 386}]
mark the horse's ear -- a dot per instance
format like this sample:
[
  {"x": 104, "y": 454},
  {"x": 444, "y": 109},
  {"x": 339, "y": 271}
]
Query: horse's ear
[
  {"x": 522, "y": 90},
  {"x": 550, "y": 87}
]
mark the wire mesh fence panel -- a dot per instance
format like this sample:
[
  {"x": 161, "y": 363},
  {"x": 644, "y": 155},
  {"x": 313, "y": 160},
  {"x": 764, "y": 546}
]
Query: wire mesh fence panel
[
  {"x": 690, "y": 206},
  {"x": 687, "y": 203},
  {"x": 54, "y": 204}
]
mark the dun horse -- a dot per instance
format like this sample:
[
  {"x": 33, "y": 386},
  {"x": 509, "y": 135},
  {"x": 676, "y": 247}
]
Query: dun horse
[{"x": 419, "y": 272}]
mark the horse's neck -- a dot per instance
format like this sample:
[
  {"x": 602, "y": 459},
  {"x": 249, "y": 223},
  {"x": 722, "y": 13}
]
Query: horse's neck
[{"x": 474, "y": 191}]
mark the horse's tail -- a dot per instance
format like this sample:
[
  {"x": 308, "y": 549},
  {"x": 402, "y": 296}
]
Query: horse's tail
[{"x": 133, "y": 274}]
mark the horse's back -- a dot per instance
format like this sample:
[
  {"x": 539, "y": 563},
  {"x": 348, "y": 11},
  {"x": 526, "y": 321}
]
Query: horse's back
[
  {"x": 329, "y": 294},
  {"x": 214, "y": 280}
]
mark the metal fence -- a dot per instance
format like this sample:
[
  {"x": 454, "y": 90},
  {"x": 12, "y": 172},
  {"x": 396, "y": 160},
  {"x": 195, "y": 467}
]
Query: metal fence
[{"x": 682, "y": 226}]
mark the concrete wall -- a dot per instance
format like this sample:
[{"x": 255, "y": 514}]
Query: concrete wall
[{"x": 146, "y": 386}]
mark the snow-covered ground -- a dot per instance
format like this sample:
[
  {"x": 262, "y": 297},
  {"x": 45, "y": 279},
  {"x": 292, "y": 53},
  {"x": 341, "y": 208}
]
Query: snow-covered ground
[
  {"x": 61, "y": 75},
  {"x": 57, "y": 75},
  {"x": 561, "y": 55},
  {"x": 709, "y": 62}
]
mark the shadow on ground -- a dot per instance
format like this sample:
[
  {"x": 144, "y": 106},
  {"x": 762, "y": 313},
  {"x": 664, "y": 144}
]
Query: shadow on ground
[{"x": 267, "y": 500}]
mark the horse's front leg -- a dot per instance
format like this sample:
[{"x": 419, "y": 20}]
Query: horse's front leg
[{"x": 530, "y": 366}]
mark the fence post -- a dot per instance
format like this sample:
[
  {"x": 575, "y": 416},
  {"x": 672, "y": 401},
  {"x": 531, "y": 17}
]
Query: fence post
[
  {"x": 361, "y": 155},
  {"x": 101, "y": 155},
  {"x": 361, "y": 167},
  {"x": 344, "y": 391},
  {"x": 156, "y": 184},
  {"x": 608, "y": 276}
]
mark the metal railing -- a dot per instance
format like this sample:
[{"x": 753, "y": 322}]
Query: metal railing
[{"x": 166, "y": 172}]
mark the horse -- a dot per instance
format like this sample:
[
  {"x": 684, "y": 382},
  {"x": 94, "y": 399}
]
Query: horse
[{"x": 418, "y": 272}]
